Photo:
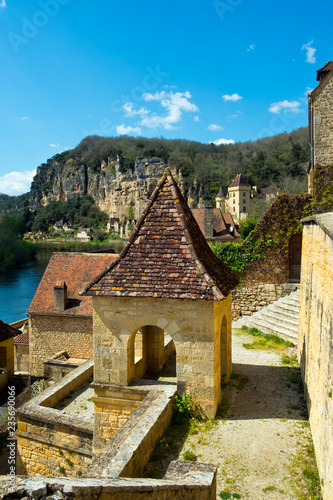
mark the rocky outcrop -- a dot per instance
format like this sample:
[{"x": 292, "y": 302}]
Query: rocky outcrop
[{"x": 113, "y": 190}]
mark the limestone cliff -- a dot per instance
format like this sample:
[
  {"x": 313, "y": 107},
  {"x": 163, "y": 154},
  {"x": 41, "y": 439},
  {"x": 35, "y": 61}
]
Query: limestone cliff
[{"x": 112, "y": 190}]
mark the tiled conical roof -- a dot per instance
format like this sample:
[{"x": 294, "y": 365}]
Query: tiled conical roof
[
  {"x": 166, "y": 255},
  {"x": 220, "y": 194}
]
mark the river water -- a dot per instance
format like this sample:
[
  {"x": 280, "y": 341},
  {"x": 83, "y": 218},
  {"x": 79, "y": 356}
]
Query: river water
[{"x": 18, "y": 287}]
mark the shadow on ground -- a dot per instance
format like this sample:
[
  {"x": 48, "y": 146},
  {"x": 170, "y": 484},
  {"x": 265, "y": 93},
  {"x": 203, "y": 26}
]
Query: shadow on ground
[{"x": 270, "y": 392}]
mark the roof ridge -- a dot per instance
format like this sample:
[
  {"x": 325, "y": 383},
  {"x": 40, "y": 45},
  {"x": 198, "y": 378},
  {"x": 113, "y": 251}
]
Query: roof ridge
[
  {"x": 132, "y": 237},
  {"x": 187, "y": 233}
]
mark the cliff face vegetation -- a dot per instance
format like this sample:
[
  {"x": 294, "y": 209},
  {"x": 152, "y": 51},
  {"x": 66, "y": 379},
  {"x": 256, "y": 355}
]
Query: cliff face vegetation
[{"x": 122, "y": 172}]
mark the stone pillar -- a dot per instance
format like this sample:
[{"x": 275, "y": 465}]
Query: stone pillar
[{"x": 153, "y": 339}]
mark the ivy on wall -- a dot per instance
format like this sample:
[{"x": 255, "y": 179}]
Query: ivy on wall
[{"x": 263, "y": 255}]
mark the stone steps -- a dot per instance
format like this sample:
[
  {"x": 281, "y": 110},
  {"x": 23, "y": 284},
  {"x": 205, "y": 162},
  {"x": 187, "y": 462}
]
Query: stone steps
[{"x": 280, "y": 318}]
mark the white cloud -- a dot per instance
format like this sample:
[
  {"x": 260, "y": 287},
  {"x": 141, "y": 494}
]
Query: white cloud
[
  {"x": 232, "y": 97},
  {"x": 54, "y": 145},
  {"x": 310, "y": 52},
  {"x": 213, "y": 126},
  {"x": 285, "y": 106},
  {"x": 123, "y": 130},
  {"x": 3, "y": 3},
  {"x": 251, "y": 47},
  {"x": 222, "y": 141},
  {"x": 15, "y": 183},
  {"x": 174, "y": 102},
  {"x": 24, "y": 118},
  {"x": 234, "y": 116},
  {"x": 196, "y": 118},
  {"x": 131, "y": 112}
]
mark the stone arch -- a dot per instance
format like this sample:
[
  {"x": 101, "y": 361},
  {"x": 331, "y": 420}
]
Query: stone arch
[{"x": 148, "y": 349}]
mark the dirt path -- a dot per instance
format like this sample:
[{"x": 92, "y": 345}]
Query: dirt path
[{"x": 264, "y": 429}]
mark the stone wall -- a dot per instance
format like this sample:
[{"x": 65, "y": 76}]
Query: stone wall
[
  {"x": 184, "y": 482},
  {"x": 248, "y": 300},
  {"x": 50, "y": 442},
  {"x": 51, "y": 334},
  {"x": 195, "y": 326},
  {"x": 322, "y": 122},
  {"x": 21, "y": 358},
  {"x": 315, "y": 339},
  {"x": 113, "y": 407},
  {"x": 52, "y": 449},
  {"x": 7, "y": 360}
]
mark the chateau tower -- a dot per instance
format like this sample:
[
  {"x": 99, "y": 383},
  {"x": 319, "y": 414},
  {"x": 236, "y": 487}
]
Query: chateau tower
[
  {"x": 238, "y": 201},
  {"x": 220, "y": 200}
]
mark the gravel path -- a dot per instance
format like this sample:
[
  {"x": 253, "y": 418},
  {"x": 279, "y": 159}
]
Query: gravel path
[{"x": 264, "y": 428}]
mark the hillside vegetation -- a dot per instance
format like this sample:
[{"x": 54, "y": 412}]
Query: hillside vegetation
[{"x": 263, "y": 162}]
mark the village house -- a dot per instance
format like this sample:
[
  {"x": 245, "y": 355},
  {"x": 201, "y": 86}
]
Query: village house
[
  {"x": 7, "y": 334},
  {"x": 320, "y": 120},
  {"x": 60, "y": 319}
]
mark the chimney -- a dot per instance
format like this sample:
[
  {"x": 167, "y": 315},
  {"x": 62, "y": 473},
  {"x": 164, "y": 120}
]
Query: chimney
[
  {"x": 209, "y": 227},
  {"x": 60, "y": 296}
]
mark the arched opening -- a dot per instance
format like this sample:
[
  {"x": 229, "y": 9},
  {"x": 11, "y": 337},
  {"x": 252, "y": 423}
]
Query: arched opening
[
  {"x": 224, "y": 349},
  {"x": 295, "y": 253},
  {"x": 150, "y": 350}
]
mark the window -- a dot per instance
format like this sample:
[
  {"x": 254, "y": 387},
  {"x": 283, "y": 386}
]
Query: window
[
  {"x": 234, "y": 201},
  {"x": 234, "y": 195},
  {"x": 244, "y": 194},
  {"x": 244, "y": 209}
]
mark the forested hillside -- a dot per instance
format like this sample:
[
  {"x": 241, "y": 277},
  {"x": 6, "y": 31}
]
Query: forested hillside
[
  {"x": 90, "y": 168},
  {"x": 262, "y": 162}
]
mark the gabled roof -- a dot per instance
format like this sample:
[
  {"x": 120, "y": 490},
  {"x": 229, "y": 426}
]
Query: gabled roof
[
  {"x": 322, "y": 72},
  {"x": 166, "y": 255},
  {"x": 326, "y": 78},
  {"x": 221, "y": 224},
  {"x": 76, "y": 269},
  {"x": 239, "y": 181},
  {"x": 23, "y": 338},
  {"x": 7, "y": 331}
]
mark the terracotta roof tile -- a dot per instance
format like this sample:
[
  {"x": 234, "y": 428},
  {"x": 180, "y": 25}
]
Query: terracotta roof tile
[
  {"x": 166, "y": 255},
  {"x": 76, "y": 269},
  {"x": 23, "y": 338},
  {"x": 221, "y": 224},
  {"x": 239, "y": 181},
  {"x": 7, "y": 331}
]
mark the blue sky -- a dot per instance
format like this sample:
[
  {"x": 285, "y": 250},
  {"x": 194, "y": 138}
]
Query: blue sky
[{"x": 222, "y": 71}]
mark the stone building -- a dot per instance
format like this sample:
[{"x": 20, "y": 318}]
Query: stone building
[
  {"x": 7, "y": 334},
  {"x": 166, "y": 281},
  {"x": 59, "y": 319},
  {"x": 320, "y": 118},
  {"x": 315, "y": 339},
  {"x": 237, "y": 202},
  {"x": 215, "y": 224}
]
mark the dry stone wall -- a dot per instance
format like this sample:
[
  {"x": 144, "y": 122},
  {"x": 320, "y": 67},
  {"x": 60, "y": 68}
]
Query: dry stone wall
[{"x": 248, "y": 300}]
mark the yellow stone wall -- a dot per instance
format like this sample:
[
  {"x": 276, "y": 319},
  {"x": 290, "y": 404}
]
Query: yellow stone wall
[
  {"x": 51, "y": 334},
  {"x": 51, "y": 450},
  {"x": 194, "y": 326},
  {"x": 21, "y": 357},
  {"x": 8, "y": 348},
  {"x": 112, "y": 409},
  {"x": 315, "y": 344},
  {"x": 322, "y": 124}
]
